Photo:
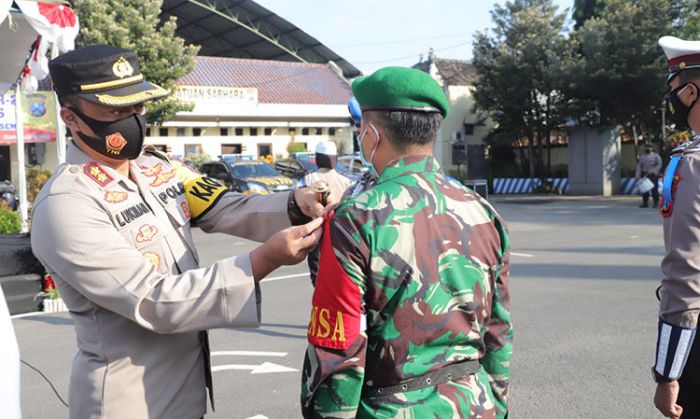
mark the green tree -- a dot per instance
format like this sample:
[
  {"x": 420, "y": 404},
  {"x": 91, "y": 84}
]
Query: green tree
[
  {"x": 586, "y": 9},
  {"x": 135, "y": 24},
  {"x": 617, "y": 77},
  {"x": 687, "y": 23},
  {"x": 520, "y": 64}
]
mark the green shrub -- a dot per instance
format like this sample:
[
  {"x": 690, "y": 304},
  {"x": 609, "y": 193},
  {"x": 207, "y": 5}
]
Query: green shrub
[{"x": 10, "y": 221}]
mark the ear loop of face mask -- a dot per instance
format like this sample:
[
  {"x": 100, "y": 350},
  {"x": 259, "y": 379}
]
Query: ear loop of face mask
[{"x": 374, "y": 149}]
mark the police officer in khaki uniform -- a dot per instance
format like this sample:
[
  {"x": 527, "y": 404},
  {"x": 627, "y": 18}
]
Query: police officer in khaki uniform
[
  {"x": 677, "y": 364},
  {"x": 112, "y": 226}
]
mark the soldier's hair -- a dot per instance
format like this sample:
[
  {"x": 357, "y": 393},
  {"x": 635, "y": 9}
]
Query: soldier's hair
[
  {"x": 407, "y": 128},
  {"x": 70, "y": 101},
  {"x": 691, "y": 74}
]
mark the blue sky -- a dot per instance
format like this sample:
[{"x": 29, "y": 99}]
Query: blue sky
[{"x": 375, "y": 33}]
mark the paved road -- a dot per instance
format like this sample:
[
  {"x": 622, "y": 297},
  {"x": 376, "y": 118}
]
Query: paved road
[{"x": 584, "y": 274}]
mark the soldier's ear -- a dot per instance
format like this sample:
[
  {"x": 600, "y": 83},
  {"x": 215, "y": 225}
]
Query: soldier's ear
[{"x": 69, "y": 117}]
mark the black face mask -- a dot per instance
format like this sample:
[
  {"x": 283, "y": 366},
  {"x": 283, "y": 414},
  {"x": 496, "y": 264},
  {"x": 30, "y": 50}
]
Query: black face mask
[
  {"x": 118, "y": 140},
  {"x": 677, "y": 109}
]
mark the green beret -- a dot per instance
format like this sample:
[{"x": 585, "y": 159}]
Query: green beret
[{"x": 400, "y": 89}]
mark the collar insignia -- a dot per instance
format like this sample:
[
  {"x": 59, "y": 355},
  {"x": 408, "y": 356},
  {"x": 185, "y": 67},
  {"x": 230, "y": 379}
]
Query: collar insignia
[{"x": 97, "y": 173}]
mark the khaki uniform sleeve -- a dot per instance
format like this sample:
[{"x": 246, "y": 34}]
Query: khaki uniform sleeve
[
  {"x": 254, "y": 217},
  {"x": 218, "y": 210},
  {"x": 75, "y": 238},
  {"x": 681, "y": 265}
]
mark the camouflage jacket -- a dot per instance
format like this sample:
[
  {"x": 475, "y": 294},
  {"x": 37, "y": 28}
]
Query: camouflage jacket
[{"x": 413, "y": 277}]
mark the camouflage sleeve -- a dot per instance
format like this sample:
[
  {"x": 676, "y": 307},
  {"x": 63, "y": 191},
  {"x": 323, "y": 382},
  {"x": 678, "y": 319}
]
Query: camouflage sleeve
[
  {"x": 498, "y": 329},
  {"x": 334, "y": 365}
]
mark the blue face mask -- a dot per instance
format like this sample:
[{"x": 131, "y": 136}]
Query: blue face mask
[{"x": 365, "y": 162}]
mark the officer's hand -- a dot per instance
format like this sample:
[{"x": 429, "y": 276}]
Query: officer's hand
[
  {"x": 287, "y": 247},
  {"x": 306, "y": 199},
  {"x": 665, "y": 399}
]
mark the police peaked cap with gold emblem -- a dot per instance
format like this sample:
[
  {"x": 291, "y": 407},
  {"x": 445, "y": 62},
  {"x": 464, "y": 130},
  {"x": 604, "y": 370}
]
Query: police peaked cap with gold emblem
[
  {"x": 400, "y": 89},
  {"x": 681, "y": 55},
  {"x": 102, "y": 74}
]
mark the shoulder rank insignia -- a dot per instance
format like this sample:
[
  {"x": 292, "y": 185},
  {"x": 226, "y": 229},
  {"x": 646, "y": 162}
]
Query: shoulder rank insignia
[{"x": 97, "y": 173}]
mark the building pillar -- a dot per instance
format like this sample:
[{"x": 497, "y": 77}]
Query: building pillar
[{"x": 594, "y": 160}]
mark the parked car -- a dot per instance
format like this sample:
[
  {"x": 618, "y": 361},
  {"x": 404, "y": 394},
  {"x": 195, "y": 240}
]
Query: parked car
[
  {"x": 244, "y": 174},
  {"x": 297, "y": 165}
]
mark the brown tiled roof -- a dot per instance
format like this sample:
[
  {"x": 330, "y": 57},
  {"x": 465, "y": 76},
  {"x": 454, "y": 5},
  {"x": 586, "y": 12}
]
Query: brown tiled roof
[
  {"x": 277, "y": 81},
  {"x": 453, "y": 72}
]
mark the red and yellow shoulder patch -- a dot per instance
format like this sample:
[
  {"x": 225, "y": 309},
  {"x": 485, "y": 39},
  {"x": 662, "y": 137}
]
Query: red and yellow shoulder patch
[
  {"x": 97, "y": 173},
  {"x": 337, "y": 302}
]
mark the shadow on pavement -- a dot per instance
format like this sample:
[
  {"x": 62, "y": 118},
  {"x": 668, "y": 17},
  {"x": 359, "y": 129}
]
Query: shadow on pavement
[{"x": 53, "y": 320}]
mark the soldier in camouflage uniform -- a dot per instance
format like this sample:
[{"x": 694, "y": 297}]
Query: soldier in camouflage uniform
[{"x": 410, "y": 314}]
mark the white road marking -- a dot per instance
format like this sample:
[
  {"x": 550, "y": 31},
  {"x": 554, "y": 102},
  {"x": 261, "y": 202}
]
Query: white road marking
[
  {"x": 264, "y": 368},
  {"x": 277, "y": 278},
  {"x": 32, "y": 314},
  {"x": 248, "y": 353},
  {"x": 522, "y": 255},
  {"x": 258, "y": 417},
  {"x": 634, "y": 237}
]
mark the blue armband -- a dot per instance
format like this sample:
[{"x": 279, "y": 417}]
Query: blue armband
[
  {"x": 672, "y": 348},
  {"x": 669, "y": 174}
]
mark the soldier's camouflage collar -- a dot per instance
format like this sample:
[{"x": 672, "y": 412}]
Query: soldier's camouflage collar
[{"x": 409, "y": 165}]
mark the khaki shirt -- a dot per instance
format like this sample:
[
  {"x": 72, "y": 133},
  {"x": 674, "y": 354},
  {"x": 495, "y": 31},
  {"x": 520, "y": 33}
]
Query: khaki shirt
[
  {"x": 122, "y": 255},
  {"x": 680, "y": 291}
]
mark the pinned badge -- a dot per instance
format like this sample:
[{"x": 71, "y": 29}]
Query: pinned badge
[
  {"x": 160, "y": 175},
  {"x": 185, "y": 209},
  {"x": 114, "y": 197},
  {"x": 146, "y": 233},
  {"x": 154, "y": 258}
]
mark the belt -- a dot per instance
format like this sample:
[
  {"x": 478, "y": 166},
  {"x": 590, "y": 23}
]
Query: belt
[{"x": 440, "y": 376}]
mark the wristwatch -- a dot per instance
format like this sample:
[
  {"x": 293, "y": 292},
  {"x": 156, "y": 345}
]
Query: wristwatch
[{"x": 296, "y": 215}]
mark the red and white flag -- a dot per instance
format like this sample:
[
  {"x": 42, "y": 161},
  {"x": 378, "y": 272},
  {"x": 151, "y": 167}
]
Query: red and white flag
[{"x": 56, "y": 23}]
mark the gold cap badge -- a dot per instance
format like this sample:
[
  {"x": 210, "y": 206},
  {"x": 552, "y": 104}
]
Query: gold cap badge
[{"x": 122, "y": 68}]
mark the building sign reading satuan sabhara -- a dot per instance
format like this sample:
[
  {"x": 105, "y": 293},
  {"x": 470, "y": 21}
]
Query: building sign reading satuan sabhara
[{"x": 216, "y": 95}]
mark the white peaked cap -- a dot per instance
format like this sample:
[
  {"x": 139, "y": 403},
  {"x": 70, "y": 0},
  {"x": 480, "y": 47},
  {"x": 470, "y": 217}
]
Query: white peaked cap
[
  {"x": 681, "y": 54},
  {"x": 326, "y": 147}
]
